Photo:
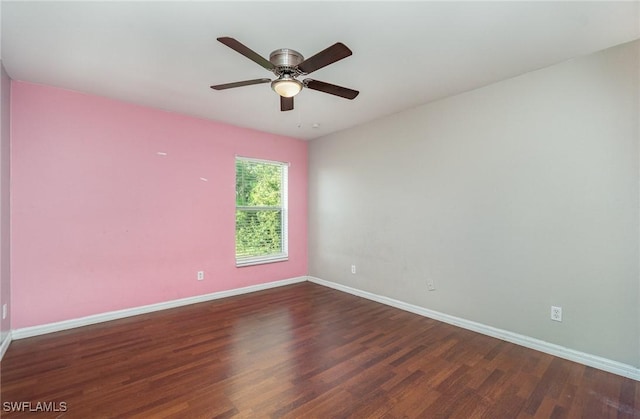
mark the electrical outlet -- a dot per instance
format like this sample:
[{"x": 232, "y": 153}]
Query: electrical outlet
[
  {"x": 353, "y": 269},
  {"x": 431, "y": 285},
  {"x": 200, "y": 275},
  {"x": 4, "y": 311},
  {"x": 556, "y": 313}
]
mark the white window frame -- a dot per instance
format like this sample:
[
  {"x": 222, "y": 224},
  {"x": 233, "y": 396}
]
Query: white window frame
[{"x": 284, "y": 208}]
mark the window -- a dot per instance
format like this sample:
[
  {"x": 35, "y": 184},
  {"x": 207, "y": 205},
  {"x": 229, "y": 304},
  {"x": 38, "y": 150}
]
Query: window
[{"x": 261, "y": 211}]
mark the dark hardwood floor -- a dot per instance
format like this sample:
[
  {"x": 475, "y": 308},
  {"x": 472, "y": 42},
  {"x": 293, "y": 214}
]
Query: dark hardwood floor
[{"x": 301, "y": 351}]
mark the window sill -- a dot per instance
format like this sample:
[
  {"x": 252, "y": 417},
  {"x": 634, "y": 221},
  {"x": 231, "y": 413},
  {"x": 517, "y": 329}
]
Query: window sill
[{"x": 240, "y": 263}]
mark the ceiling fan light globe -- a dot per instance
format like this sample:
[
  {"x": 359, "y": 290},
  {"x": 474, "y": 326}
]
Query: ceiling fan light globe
[{"x": 288, "y": 87}]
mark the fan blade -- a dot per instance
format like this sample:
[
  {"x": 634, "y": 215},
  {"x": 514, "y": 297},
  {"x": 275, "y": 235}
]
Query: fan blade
[
  {"x": 334, "y": 53},
  {"x": 239, "y": 84},
  {"x": 247, "y": 52},
  {"x": 332, "y": 89},
  {"x": 286, "y": 103}
]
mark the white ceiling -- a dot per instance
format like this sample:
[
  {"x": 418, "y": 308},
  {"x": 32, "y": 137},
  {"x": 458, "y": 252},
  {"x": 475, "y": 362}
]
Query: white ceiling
[{"x": 165, "y": 54}]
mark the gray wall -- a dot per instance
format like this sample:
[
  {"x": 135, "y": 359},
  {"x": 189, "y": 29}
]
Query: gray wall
[
  {"x": 5, "y": 87},
  {"x": 513, "y": 197}
]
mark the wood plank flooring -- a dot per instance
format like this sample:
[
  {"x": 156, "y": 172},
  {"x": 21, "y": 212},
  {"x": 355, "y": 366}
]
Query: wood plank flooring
[{"x": 301, "y": 351}]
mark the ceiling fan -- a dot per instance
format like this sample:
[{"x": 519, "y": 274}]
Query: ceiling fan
[{"x": 287, "y": 65}]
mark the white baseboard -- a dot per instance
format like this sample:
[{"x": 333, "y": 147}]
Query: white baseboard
[
  {"x": 4, "y": 345},
  {"x": 594, "y": 361},
  {"x": 28, "y": 332}
]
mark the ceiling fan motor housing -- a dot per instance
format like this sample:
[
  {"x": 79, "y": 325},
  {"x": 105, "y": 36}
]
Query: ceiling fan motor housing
[{"x": 285, "y": 61}]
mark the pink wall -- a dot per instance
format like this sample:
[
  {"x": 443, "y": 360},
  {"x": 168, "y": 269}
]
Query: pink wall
[{"x": 101, "y": 222}]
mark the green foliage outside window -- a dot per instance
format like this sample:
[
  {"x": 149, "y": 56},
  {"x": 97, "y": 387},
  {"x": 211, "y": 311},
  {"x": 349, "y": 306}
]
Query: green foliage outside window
[{"x": 259, "y": 208}]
